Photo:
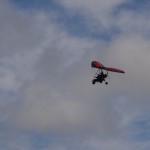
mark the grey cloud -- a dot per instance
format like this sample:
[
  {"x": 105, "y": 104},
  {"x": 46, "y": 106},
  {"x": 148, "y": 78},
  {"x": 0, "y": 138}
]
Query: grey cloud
[
  {"x": 96, "y": 13},
  {"x": 49, "y": 70},
  {"x": 111, "y": 16},
  {"x": 94, "y": 5},
  {"x": 24, "y": 39},
  {"x": 57, "y": 101},
  {"x": 132, "y": 53},
  {"x": 130, "y": 21}
]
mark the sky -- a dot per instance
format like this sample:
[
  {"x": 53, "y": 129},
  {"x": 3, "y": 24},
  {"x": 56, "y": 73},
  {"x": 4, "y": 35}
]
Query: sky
[{"x": 47, "y": 100}]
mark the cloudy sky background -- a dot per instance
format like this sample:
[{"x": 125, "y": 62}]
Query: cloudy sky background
[{"x": 47, "y": 100}]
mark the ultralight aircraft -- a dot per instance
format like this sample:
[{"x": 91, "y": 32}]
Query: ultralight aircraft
[{"x": 100, "y": 76}]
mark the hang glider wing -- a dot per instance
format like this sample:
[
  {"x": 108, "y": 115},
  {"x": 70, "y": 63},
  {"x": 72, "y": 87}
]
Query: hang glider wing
[
  {"x": 96, "y": 64},
  {"x": 113, "y": 70}
]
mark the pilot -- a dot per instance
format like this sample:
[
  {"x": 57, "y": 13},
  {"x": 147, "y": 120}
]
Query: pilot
[{"x": 101, "y": 77}]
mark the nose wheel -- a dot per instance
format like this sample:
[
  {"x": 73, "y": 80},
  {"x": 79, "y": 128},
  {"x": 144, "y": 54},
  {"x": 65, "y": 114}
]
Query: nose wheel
[{"x": 106, "y": 83}]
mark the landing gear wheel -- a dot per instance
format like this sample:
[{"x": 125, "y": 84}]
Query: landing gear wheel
[
  {"x": 106, "y": 83},
  {"x": 93, "y": 81}
]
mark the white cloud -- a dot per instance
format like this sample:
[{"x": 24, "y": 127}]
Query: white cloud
[
  {"x": 107, "y": 16},
  {"x": 50, "y": 71},
  {"x": 130, "y": 21},
  {"x": 47, "y": 108},
  {"x": 96, "y": 12},
  {"x": 132, "y": 54}
]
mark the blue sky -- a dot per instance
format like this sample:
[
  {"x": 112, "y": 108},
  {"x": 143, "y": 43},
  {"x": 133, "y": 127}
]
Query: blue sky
[
  {"x": 47, "y": 100},
  {"x": 74, "y": 23}
]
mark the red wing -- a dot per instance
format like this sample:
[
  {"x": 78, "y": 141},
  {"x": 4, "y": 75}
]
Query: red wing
[
  {"x": 114, "y": 70},
  {"x": 96, "y": 64}
]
